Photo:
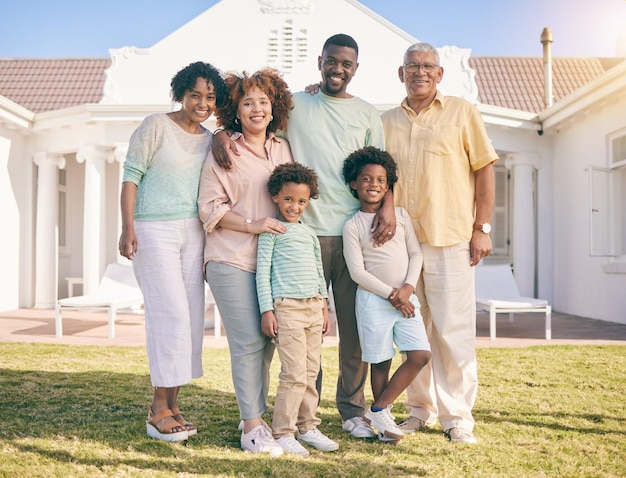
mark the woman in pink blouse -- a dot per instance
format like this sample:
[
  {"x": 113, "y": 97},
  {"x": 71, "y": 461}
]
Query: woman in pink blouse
[{"x": 235, "y": 207}]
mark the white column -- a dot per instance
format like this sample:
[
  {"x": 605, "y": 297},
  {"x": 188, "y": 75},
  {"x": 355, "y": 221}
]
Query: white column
[
  {"x": 523, "y": 231},
  {"x": 120, "y": 156},
  {"x": 94, "y": 218},
  {"x": 47, "y": 232}
]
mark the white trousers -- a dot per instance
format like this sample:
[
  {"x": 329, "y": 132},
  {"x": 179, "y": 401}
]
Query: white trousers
[
  {"x": 447, "y": 386},
  {"x": 168, "y": 268}
]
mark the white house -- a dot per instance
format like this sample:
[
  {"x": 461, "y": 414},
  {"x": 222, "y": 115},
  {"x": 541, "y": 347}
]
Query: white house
[{"x": 561, "y": 191}]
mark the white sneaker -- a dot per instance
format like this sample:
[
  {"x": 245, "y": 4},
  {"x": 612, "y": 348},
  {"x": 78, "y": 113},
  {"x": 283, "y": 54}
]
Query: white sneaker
[
  {"x": 259, "y": 440},
  {"x": 460, "y": 435},
  {"x": 384, "y": 422},
  {"x": 358, "y": 428},
  {"x": 317, "y": 439},
  {"x": 290, "y": 445}
]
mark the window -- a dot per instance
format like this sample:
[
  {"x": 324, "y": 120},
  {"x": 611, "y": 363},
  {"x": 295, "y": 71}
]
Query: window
[
  {"x": 500, "y": 216},
  {"x": 607, "y": 206},
  {"x": 286, "y": 46}
]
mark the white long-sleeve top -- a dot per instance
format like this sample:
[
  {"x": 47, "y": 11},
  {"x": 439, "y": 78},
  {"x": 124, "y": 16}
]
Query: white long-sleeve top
[{"x": 382, "y": 269}]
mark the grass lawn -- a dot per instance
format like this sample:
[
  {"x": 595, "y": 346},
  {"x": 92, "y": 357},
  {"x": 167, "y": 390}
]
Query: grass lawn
[{"x": 74, "y": 411}]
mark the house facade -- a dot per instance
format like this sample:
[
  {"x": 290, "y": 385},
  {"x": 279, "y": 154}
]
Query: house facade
[{"x": 561, "y": 181}]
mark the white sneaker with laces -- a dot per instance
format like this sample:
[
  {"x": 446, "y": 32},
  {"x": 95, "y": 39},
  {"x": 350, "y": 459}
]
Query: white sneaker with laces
[
  {"x": 317, "y": 439},
  {"x": 290, "y": 445},
  {"x": 358, "y": 428},
  {"x": 460, "y": 435},
  {"x": 259, "y": 440},
  {"x": 384, "y": 422}
]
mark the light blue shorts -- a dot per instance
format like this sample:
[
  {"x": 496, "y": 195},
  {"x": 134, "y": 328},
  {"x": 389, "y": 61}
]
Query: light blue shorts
[{"x": 380, "y": 325}]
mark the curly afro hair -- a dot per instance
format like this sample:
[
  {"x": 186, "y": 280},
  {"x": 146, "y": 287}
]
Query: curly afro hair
[
  {"x": 353, "y": 165},
  {"x": 268, "y": 80},
  {"x": 292, "y": 173},
  {"x": 185, "y": 80}
]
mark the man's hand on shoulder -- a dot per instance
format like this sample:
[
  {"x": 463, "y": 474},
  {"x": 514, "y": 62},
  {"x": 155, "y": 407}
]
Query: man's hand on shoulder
[{"x": 313, "y": 89}]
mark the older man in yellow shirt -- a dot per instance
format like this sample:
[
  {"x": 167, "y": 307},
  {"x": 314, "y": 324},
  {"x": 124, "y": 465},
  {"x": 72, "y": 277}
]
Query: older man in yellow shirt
[{"x": 446, "y": 182}]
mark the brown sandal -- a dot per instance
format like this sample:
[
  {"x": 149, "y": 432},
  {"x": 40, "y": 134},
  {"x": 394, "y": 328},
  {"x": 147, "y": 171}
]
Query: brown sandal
[
  {"x": 190, "y": 427},
  {"x": 162, "y": 426}
]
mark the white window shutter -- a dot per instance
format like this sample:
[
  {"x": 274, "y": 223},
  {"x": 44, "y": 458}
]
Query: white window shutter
[
  {"x": 500, "y": 217},
  {"x": 600, "y": 212}
]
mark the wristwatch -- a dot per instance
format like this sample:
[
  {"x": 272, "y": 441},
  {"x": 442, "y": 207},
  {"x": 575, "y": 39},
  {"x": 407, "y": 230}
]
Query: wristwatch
[
  {"x": 246, "y": 224},
  {"x": 486, "y": 228}
]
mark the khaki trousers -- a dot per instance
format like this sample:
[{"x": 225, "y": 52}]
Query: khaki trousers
[
  {"x": 447, "y": 386},
  {"x": 299, "y": 343}
]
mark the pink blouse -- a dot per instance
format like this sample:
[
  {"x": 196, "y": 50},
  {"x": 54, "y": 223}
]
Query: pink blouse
[{"x": 243, "y": 190}]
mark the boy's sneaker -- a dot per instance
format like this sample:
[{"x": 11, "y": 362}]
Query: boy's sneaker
[
  {"x": 412, "y": 424},
  {"x": 384, "y": 422},
  {"x": 317, "y": 439},
  {"x": 290, "y": 445},
  {"x": 460, "y": 435},
  {"x": 357, "y": 427},
  {"x": 259, "y": 440}
]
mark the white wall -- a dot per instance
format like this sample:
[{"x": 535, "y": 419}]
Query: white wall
[
  {"x": 16, "y": 217},
  {"x": 581, "y": 286},
  {"x": 141, "y": 76}
]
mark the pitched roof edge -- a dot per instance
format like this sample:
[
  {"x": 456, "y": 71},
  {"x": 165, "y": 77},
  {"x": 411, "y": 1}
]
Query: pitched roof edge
[
  {"x": 604, "y": 85},
  {"x": 383, "y": 21},
  {"x": 15, "y": 114},
  {"x": 500, "y": 116}
]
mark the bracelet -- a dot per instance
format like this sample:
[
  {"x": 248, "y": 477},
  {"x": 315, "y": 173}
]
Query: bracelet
[{"x": 218, "y": 130}]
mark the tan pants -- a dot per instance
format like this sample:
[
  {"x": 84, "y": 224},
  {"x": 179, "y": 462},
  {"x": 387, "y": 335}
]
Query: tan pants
[
  {"x": 447, "y": 386},
  {"x": 299, "y": 345}
]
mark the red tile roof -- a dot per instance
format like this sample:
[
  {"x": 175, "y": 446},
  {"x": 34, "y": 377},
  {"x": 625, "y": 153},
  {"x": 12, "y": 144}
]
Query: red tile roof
[
  {"x": 518, "y": 83},
  {"x": 51, "y": 84},
  {"x": 510, "y": 82}
]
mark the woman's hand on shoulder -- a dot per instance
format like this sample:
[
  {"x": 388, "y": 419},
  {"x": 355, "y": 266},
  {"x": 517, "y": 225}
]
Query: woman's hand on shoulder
[{"x": 267, "y": 224}]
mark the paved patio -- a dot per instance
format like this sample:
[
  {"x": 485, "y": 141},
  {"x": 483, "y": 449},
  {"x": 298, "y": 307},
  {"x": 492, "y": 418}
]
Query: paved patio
[{"x": 90, "y": 328}]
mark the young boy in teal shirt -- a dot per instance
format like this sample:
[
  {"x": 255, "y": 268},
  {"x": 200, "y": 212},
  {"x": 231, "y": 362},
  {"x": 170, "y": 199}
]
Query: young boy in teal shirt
[{"x": 293, "y": 301}]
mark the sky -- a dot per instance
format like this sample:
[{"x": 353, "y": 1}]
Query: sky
[{"x": 84, "y": 28}]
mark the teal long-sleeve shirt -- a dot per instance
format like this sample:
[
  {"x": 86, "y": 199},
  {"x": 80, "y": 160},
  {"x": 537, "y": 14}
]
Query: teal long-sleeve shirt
[{"x": 289, "y": 265}]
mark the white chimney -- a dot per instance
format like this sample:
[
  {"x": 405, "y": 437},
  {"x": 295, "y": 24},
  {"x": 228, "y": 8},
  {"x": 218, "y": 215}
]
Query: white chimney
[{"x": 546, "y": 40}]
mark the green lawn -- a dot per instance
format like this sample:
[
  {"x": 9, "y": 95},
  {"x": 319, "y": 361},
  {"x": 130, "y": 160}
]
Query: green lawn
[{"x": 73, "y": 411}]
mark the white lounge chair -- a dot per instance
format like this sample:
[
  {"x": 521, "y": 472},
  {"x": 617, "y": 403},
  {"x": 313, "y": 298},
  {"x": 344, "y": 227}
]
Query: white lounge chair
[
  {"x": 497, "y": 292},
  {"x": 117, "y": 290}
]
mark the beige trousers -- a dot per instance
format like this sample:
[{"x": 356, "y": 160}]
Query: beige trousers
[
  {"x": 446, "y": 388},
  {"x": 299, "y": 343}
]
